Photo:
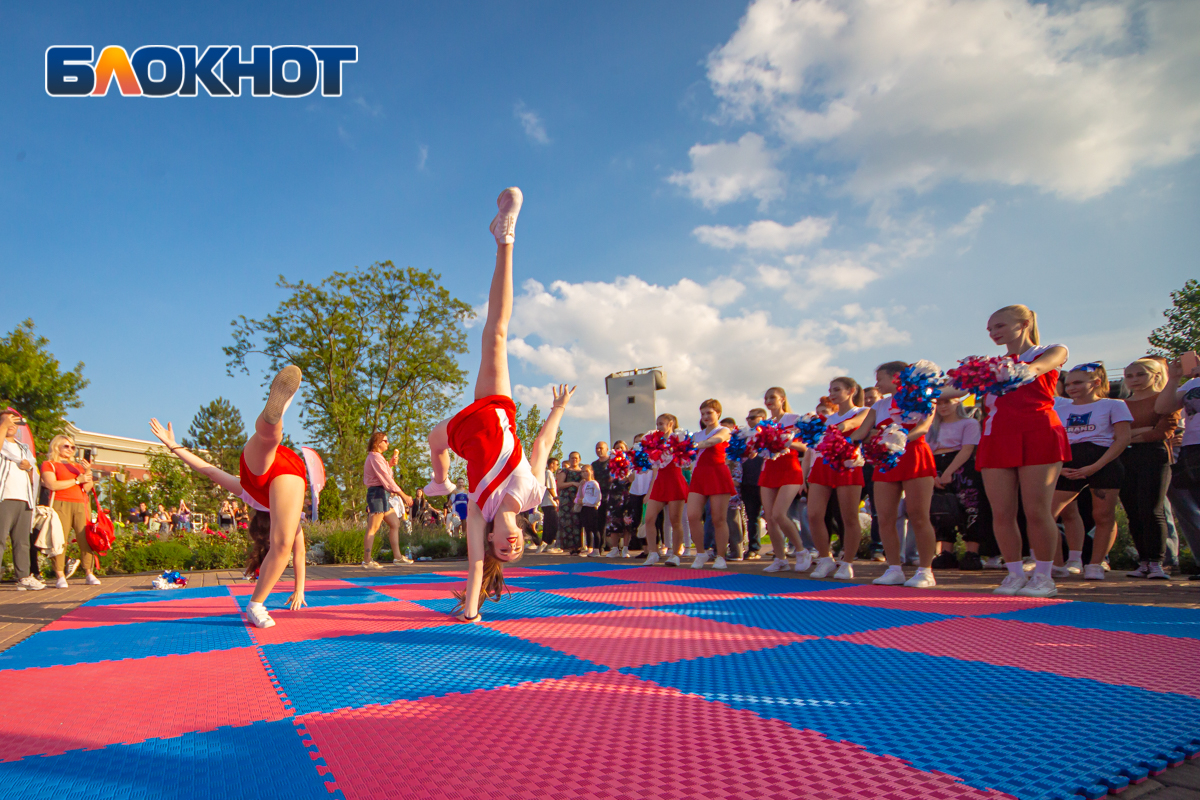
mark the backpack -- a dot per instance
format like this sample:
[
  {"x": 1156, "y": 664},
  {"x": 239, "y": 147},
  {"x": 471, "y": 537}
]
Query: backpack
[
  {"x": 99, "y": 534},
  {"x": 946, "y": 511}
]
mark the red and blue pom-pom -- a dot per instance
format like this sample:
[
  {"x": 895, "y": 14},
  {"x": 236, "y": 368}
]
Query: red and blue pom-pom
[
  {"x": 885, "y": 449},
  {"x": 918, "y": 386},
  {"x": 838, "y": 452},
  {"x": 657, "y": 447},
  {"x": 641, "y": 461},
  {"x": 620, "y": 465},
  {"x": 735, "y": 450},
  {"x": 982, "y": 375},
  {"x": 810, "y": 428},
  {"x": 772, "y": 439},
  {"x": 683, "y": 450}
]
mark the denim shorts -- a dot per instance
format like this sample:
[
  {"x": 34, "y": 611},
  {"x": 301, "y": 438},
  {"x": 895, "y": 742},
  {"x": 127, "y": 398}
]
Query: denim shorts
[{"x": 377, "y": 500}]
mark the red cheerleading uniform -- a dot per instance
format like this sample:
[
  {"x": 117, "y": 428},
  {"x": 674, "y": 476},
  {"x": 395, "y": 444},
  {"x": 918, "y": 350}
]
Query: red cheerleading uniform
[
  {"x": 785, "y": 469},
  {"x": 669, "y": 485},
  {"x": 917, "y": 460},
  {"x": 822, "y": 474},
  {"x": 711, "y": 474},
  {"x": 259, "y": 486},
  {"x": 1021, "y": 428},
  {"x": 484, "y": 434}
]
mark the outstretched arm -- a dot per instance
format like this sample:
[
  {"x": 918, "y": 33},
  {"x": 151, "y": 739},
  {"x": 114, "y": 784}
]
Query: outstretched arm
[
  {"x": 544, "y": 442},
  {"x": 217, "y": 475}
]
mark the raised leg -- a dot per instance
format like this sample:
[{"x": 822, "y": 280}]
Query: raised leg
[
  {"x": 493, "y": 362},
  {"x": 259, "y": 451}
]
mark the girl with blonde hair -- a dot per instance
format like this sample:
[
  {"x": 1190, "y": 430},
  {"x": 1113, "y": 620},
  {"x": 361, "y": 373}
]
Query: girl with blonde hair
[
  {"x": 669, "y": 490},
  {"x": 824, "y": 482},
  {"x": 780, "y": 481},
  {"x": 1147, "y": 465},
  {"x": 70, "y": 481}
]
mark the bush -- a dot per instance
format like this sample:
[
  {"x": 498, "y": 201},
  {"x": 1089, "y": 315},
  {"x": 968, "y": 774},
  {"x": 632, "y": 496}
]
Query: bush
[
  {"x": 445, "y": 547},
  {"x": 346, "y": 546},
  {"x": 156, "y": 556},
  {"x": 218, "y": 554}
]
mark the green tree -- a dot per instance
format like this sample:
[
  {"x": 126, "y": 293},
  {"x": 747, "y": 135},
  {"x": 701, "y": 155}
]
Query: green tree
[
  {"x": 33, "y": 383},
  {"x": 378, "y": 350},
  {"x": 170, "y": 480},
  {"x": 218, "y": 429},
  {"x": 530, "y": 425},
  {"x": 1181, "y": 333}
]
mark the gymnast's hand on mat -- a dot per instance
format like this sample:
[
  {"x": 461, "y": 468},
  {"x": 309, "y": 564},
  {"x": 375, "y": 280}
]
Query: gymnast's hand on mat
[
  {"x": 562, "y": 395},
  {"x": 463, "y": 618},
  {"x": 296, "y": 601}
]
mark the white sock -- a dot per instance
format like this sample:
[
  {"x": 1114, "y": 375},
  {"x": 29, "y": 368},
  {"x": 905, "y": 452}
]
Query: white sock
[
  {"x": 925, "y": 571},
  {"x": 895, "y": 568},
  {"x": 253, "y": 604},
  {"x": 1075, "y": 555},
  {"x": 1042, "y": 568},
  {"x": 1016, "y": 568}
]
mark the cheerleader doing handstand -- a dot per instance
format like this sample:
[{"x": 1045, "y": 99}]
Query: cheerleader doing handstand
[{"x": 501, "y": 482}]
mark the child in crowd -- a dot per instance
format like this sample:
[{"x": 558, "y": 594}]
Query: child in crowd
[{"x": 587, "y": 505}]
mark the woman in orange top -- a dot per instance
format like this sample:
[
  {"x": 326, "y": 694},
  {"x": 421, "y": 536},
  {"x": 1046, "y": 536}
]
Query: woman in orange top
[{"x": 70, "y": 482}]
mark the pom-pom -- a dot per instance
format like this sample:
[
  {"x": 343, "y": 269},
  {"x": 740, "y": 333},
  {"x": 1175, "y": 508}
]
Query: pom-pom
[
  {"x": 682, "y": 449},
  {"x": 772, "y": 439},
  {"x": 810, "y": 428},
  {"x": 918, "y": 386},
  {"x": 169, "y": 580},
  {"x": 886, "y": 447},
  {"x": 838, "y": 452},
  {"x": 620, "y": 465},
  {"x": 657, "y": 446},
  {"x": 982, "y": 375},
  {"x": 641, "y": 461},
  {"x": 735, "y": 450}
]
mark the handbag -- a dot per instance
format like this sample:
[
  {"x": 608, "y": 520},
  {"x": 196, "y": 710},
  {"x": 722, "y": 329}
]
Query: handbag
[
  {"x": 99, "y": 532},
  {"x": 946, "y": 511}
]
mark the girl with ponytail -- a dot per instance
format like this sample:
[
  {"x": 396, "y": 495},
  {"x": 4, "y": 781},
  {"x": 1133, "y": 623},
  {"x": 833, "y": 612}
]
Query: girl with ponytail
[
  {"x": 779, "y": 482},
  {"x": 824, "y": 482}
]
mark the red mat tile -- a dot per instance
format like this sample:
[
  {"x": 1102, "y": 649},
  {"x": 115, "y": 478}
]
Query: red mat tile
[
  {"x": 328, "y": 621},
  {"x": 647, "y": 574},
  {"x": 1157, "y": 663},
  {"x": 430, "y": 591},
  {"x": 288, "y": 586},
  {"x": 509, "y": 572},
  {"x": 87, "y": 706},
  {"x": 935, "y": 601},
  {"x": 537, "y": 741},
  {"x": 642, "y": 636},
  {"x": 644, "y": 595},
  {"x": 160, "y": 611}
]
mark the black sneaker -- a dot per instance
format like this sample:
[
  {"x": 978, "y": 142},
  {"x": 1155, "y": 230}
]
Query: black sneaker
[
  {"x": 946, "y": 560},
  {"x": 971, "y": 561}
]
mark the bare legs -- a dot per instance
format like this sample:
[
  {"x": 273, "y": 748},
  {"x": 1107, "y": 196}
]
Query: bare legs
[
  {"x": 780, "y": 528},
  {"x": 373, "y": 523},
  {"x": 1104, "y": 514},
  {"x": 674, "y": 514},
  {"x": 848, "y": 498},
  {"x": 919, "y": 492},
  {"x": 287, "y": 497},
  {"x": 719, "y": 508},
  {"x": 1035, "y": 487}
]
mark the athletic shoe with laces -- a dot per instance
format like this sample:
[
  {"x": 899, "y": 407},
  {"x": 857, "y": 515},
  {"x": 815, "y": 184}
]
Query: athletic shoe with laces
[
  {"x": 922, "y": 580},
  {"x": 719, "y": 563},
  {"x": 72, "y": 565},
  {"x": 283, "y": 389},
  {"x": 92, "y": 580},
  {"x": 614, "y": 553},
  {"x": 372, "y": 565},
  {"x": 845, "y": 572},
  {"x": 541, "y": 548},
  {"x": 1156, "y": 573},
  {"x": 554, "y": 550},
  {"x": 754, "y": 555},
  {"x": 700, "y": 561},
  {"x": 651, "y": 559},
  {"x": 1012, "y": 584},
  {"x": 878, "y": 557},
  {"x": 993, "y": 562},
  {"x": 776, "y": 565},
  {"x": 945, "y": 560},
  {"x": 259, "y": 616},
  {"x": 970, "y": 562},
  {"x": 1039, "y": 586},
  {"x": 1093, "y": 572},
  {"x": 1059, "y": 572},
  {"x": 404, "y": 559},
  {"x": 504, "y": 224},
  {"x": 439, "y": 489},
  {"x": 892, "y": 576},
  {"x": 61, "y": 583},
  {"x": 803, "y": 561},
  {"x": 1074, "y": 566},
  {"x": 673, "y": 561},
  {"x": 30, "y": 584},
  {"x": 825, "y": 567},
  {"x": 1142, "y": 571}
]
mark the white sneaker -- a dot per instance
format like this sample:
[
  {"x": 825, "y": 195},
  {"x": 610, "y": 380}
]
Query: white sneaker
[
  {"x": 845, "y": 572},
  {"x": 283, "y": 389},
  {"x": 30, "y": 584},
  {"x": 72, "y": 565},
  {"x": 1093, "y": 572},
  {"x": 541, "y": 548},
  {"x": 993, "y": 562},
  {"x": 1039, "y": 586},
  {"x": 777, "y": 565},
  {"x": 624, "y": 552},
  {"x": 92, "y": 580},
  {"x": 614, "y": 553},
  {"x": 439, "y": 489},
  {"x": 673, "y": 561},
  {"x": 825, "y": 567},
  {"x": 720, "y": 563},
  {"x": 1105, "y": 564},
  {"x": 504, "y": 224},
  {"x": 699, "y": 561},
  {"x": 1156, "y": 573},
  {"x": 922, "y": 580},
  {"x": 584, "y": 553},
  {"x": 1074, "y": 566},
  {"x": 1012, "y": 584},
  {"x": 651, "y": 559},
  {"x": 892, "y": 576},
  {"x": 372, "y": 565},
  {"x": 1060, "y": 572},
  {"x": 259, "y": 616},
  {"x": 803, "y": 561},
  {"x": 61, "y": 583},
  {"x": 1142, "y": 571}
]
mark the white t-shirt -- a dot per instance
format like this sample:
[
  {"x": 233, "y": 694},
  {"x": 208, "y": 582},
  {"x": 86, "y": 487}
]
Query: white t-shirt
[
  {"x": 641, "y": 483},
  {"x": 551, "y": 483},
  {"x": 956, "y": 434},
  {"x": 522, "y": 485},
  {"x": 883, "y": 410},
  {"x": 1191, "y": 408},
  {"x": 834, "y": 419},
  {"x": 17, "y": 485},
  {"x": 590, "y": 494},
  {"x": 1092, "y": 422}
]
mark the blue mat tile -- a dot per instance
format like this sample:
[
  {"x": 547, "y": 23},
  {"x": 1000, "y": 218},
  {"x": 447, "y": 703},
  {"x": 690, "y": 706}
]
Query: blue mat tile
[
  {"x": 1181, "y": 623},
  {"x": 136, "y": 640},
  {"x": 401, "y": 580},
  {"x": 1033, "y": 734},
  {"x": 526, "y": 605},
  {"x": 266, "y": 759},
  {"x": 812, "y": 617},
  {"x": 759, "y": 584},
  {"x": 341, "y": 596},
  {"x": 589, "y": 565},
  {"x": 154, "y": 595},
  {"x": 563, "y": 582},
  {"x": 353, "y": 671}
]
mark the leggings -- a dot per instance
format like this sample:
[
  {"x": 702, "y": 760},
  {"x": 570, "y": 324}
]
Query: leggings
[
  {"x": 589, "y": 521},
  {"x": 549, "y": 524},
  {"x": 1147, "y": 473}
]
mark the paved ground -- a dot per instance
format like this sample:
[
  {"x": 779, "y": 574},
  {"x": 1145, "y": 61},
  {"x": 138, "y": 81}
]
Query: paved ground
[{"x": 611, "y": 623}]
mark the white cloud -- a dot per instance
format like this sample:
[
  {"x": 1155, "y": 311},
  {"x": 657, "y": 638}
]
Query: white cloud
[
  {"x": 1069, "y": 97},
  {"x": 531, "y": 121},
  {"x": 422, "y": 157},
  {"x": 581, "y": 332},
  {"x": 766, "y": 234},
  {"x": 728, "y": 171},
  {"x": 373, "y": 110}
]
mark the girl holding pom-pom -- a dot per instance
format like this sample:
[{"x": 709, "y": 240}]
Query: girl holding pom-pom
[
  {"x": 1022, "y": 450},
  {"x": 912, "y": 477},
  {"x": 712, "y": 483},
  {"x": 779, "y": 482},
  {"x": 669, "y": 490},
  {"x": 847, "y": 484}
]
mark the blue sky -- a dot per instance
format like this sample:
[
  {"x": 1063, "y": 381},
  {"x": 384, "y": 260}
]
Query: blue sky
[{"x": 749, "y": 195}]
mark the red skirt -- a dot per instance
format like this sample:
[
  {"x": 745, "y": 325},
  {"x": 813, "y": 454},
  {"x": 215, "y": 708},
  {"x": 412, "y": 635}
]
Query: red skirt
[
  {"x": 669, "y": 485},
  {"x": 483, "y": 435},
  {"x": 917, "y": 462},
  {"x": 782, "y": 471},
  {"x": 259, "y": 486},
  {"x": 822, "y": 475},
  {"x": 1036, "y": 441},
  {"x": 711, "y": 475}
]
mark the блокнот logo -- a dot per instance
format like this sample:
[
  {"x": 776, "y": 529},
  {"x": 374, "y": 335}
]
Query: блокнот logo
[{"x": 220, "y": 69}]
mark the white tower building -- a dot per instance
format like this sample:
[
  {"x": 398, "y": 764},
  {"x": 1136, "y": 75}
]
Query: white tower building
[{"x": 631, "y": 401}]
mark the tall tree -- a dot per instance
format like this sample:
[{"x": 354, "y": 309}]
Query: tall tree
[
  {"x": 31, "y": 380},
  {"x": 530, "y": 425},
  {"x": 378, "y": 349},
  {"x": 218, "y": 429},
  {"x": 1181, "y": 333}
]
